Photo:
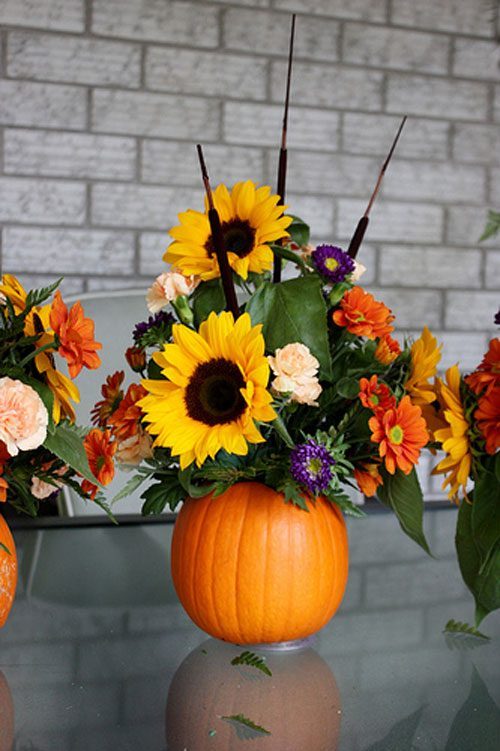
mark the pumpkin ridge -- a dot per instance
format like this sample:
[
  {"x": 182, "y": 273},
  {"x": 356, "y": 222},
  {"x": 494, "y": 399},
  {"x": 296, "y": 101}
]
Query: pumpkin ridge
[
  {"x": 194, "y": 567},
  {"x": 333, "y": 544},
  {"x": 338, "y": 536},
  {"x": 215, "y": 610},
  {"x": 238, "y": 559}
]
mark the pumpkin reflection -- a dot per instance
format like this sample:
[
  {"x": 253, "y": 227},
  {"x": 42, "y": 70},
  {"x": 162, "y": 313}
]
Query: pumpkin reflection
[
  {"x": 299, "y": 704},
  {"x": 6, "y": 715}
]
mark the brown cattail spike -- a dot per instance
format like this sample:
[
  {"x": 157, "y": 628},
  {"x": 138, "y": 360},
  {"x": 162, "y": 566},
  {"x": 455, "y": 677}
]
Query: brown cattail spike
[{"x": 218, "y": 242}]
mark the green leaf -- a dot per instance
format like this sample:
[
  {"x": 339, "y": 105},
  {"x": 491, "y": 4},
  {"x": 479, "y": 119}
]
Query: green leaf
[
  {"x": 100, "y": 501},
  {"x": 337, "y": 292},
  {"x": 346, "y": 505},
  {"x": 5, "y": 548},
  {"x": 161, "y": 494},
  {"x": 67, "y": 445},
  {"x": 459, "y": 627},
  {"x": 253, "y": 660},
  {"x": 477, "y": 722},
  {"x": 401, "y": 735},
  {"x": 403, "y": 494},
  {"x": 245, "y": 728},
  {"x": 38, "y": 296},
  {"x": 348, "y": 388},
  {"x": 485, "y": 517},
  {"x": 293, "y": 494},
  {"x": 492, "y": 225},
  {"x": 132, "y": 484},
  {"x": 299, "y": 231},
  {"x": 208, "y": 296},
  {"x": 294, "y": 311},
  {"x": 290, "y": 255}
]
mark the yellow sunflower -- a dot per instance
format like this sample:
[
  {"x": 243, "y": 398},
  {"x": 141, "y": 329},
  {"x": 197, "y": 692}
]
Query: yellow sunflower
[
  {"x": 12, "y": 288},
  {"x": 215, "y": 389},
  {"x": 63, "y": 389},
  {"x": 454, "y": 437},
  {"x": 250, "y": 217},
  {"x": 425, "y": 355}
]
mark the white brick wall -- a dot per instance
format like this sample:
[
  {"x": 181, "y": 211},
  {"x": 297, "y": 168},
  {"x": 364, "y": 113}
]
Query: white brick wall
[{"x": 103, "y": 101}]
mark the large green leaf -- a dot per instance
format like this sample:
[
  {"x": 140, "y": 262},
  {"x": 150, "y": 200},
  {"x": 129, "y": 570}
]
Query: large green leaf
[
  {"x": 492, "y": 225},
  {"x": 403, "y": 494},
  {"x": 208, "y": 297},
  {"x": 299, "y": 231},
  {"x": 485, "y": 516},
  {"x": 294, "y": 311},
  {"x": 67, "y": 445},
  {"x": 477, "y": 722}
]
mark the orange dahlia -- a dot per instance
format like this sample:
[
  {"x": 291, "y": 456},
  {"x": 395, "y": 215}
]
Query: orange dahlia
[
  {"x": 374, "y": 395},
  {"x": 388, "y": 350},
  {"x": 112, "y": 394},
  {"x": 368, "y": 477},
  {"x": 362, "y": 315},
  {"x": 100, "y": 449},
  {"x": 126, "y": 420},
  {"x": 487, "y": 375},
  {"x": 76, "y": 336},
  {"x": 488, "y": 418},
  {"x": 401, "y": 433}
]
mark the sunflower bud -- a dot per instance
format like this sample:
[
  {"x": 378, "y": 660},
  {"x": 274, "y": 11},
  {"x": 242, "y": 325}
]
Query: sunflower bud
[{"x": 136, "y": 358}]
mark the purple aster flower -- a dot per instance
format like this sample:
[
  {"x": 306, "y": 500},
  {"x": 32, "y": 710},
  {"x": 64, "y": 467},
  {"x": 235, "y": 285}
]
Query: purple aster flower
[
  {"x": 497, "y": 318},
  {"x": 332, "y": 262},
  {"x": 158, "y": 320},
  {"x": 311, "y": 466}
]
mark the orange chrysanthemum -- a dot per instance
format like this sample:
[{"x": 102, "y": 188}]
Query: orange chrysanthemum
[
  {"x": 488, "y": 418},
  {"x": 487, "y": 375},
  {"x": 362, "y": 315},
  {"x": 388, "y": 350},
  {"x": 425, "y": 355},
  {"x": 401, "y": 433},
  {"x": 76, "y": 336},
  {"x": 375, "y": 396},
  {"x": 100, "y": 449},
  {"x": 112, "y": 394},
  {"x": 126, "y": 420},
  {"x": 368, "y": 477}
]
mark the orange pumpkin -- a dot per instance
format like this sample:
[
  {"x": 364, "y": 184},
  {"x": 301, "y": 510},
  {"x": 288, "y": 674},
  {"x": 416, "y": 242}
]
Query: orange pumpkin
[
  {"x": 8, "y": 571},
  {"x": 6, "y": 716},
  {"x": 249, "y": 568},
  {"x": 299, "y": 704}
]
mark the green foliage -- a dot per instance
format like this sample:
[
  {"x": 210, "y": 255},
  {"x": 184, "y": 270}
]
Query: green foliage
[
  {"x": 294, "y": 311},
  {"x": 459, "y": 629},
  {"x": 5, "y": 548},
  {"x": 168, "y": 492},
  {"x": 299, "y": 231},
  {"x": 492, "y": 226},
  {"x": 65, "y": 443},
  {"x": 131, "y": 485},
  {"x": 290, "y": 255},
  {"x": 253, "y": 660},
  {"x": 39, "y": 296},
  {"x": 207, "y": 297},
  {"x": 245, "y": 728},
  {"x": 402, "y": 494},
  {"x": 345, "y": 504}
]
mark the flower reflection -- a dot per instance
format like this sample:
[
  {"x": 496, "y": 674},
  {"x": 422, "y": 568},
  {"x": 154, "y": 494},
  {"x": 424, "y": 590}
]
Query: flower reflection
[
  {"x": 6, "y": 715},
  {"x": 299, "y": 705}
]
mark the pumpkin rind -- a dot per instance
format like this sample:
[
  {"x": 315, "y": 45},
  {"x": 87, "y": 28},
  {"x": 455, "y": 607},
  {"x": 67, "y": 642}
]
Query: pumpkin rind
[
  {"x": 8, "y": 571},
  {"x": 250, "y": 568}
]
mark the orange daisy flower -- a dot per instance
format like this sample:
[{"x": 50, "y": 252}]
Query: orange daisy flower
[
  {"x": 488, "y": 418},
  {"x": 76, "y": 336},
  {"x": 375, "y": 396},
  {"x": 100, "y": 449},
  {"x": 112, "y": 393},
  {"x": 401, "y": 433},
  {"x": 368, "y": 478},
  {"x": 487, "y": 375},
  {"x": 388, "y": 350},
  {"x": 362, "y": 315},
  {"x": 126, "y": 420}
]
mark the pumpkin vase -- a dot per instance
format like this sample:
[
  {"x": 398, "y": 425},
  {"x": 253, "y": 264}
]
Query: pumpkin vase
[
  {"x": 299, "y": 704},
  {"x": 249, "y": 568},
  {"x": 8, "y": 571}
]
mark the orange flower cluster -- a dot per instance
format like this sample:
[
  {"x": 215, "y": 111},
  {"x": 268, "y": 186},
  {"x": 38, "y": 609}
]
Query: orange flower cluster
[
  {"x": 368, "y": 477},
  {"x": 374, "y": 395},
  {"x": 401, "y": 433},
  {"x": 112, "y": 393},
  {"x": 388, "y": 350},
  {"x": 485, "y": 383},
  {"x": 362, "y": 315},
  {"x": 100, "y": 449},
  {"x": 76, "y": 336}
]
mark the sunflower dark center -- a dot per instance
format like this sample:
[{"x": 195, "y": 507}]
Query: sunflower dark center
[
  {"x": 213, "y": 394},
  {"x": 238, "y": 236}
]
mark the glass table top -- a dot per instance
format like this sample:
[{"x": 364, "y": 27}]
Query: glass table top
[{"x": 98, "y": 654}]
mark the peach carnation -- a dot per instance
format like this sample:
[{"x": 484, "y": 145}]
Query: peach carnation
[
  {"x": 134, "y": 449},
  {"x": 296, "y": 371},
  {"x": 23, "y": 417},
  {"x": 167, "y": 288}
]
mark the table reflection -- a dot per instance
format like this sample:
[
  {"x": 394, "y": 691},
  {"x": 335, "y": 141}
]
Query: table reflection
[
  {"x": 6, "y": 715},
  {"x": 299, "y": 704}
]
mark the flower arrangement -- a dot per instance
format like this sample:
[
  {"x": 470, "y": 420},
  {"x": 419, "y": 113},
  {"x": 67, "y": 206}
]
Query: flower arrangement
[{"x": 41, "y": 448}]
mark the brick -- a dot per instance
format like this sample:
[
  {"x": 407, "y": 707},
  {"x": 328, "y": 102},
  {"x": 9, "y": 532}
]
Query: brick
[
  {"x": 260, "y": 124},
  {"x": 416, "y": 266},
  {"x": 157, "y": 20},
  {"x": 496, "y": 108},
  {"x": 177, "y": 163},
  {"x": 367, "y": 256},
  {"x": 38, "y": 152},
  {"x": 207, "y": 73},
  {"x": 475, "y": 59},
  {"x": 463, "y": 348},
  {"x": 333, "y": 174},
  {"x": 101, "y": 283},
  {"x": 437, "y": 97},
  {"x": 145, "y": 114},
  {"x": 476, "y": 143},
  {"x": 466, "y": 224},
  {"x": 152, "y": 246},
  {"x": 385, "y": 47},
  {"x": 412, "y": 308},
  {"x": 72, "y": 59},
  {"x": 65, "y": 15},
  {"x": 268, "y": 33},
  {"x": 447, "y": 15},
  {"x": 493, "y": 269},
  {"x": 55, "y": 663},
  {"x": 28, "y": 201},
  {"x": 393, "y": 221},
  {"x": 373, "y": 134},
  {"x": 495, "y": 187},
  {"x": 365, "y": 10},
  {"x": 317, "y": 212},
  {"x": 140, "y": 205},
  {"x": 66, "y": 251},
  {"x": 376, "y": 630},
  {"x": 329, "y": 86},
  {"x": 445, "y": 183},
  {"x": 470, "y": 311},
  {"x": 70, "y": 285},
  {"x": 43, "y": 105}
]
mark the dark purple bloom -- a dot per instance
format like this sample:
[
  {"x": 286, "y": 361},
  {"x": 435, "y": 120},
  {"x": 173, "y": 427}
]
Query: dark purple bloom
[
  {"x": 161, "y": 319},
  {"x": 497, "y": 318},
  {"x": 332, "y": 262},
  {"x": 311, "y": 466}
]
